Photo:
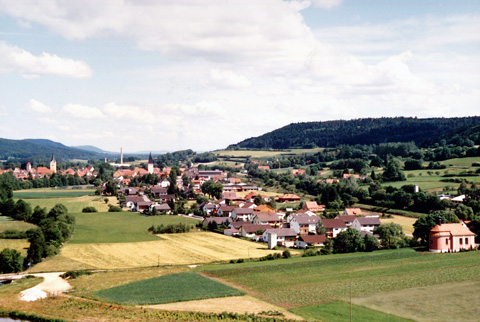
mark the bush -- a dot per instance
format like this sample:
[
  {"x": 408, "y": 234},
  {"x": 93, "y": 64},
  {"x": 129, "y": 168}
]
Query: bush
[
  {"x": 112, "y": 208},
  {"x": 286, "y": 254},
  {"x": 13, "y": 234},
  {"x": 74, "y": 274},
  {"x": 89, "y": 209}
]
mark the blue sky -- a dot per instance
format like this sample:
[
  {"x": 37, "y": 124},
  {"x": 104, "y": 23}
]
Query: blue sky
[{"x": 202, "y": 74}]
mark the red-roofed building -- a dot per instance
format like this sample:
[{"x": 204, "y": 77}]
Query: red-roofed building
[
  {"x": 288, "y": 197},
  {"x": 297, "y": 172},
  {"x": 313, "y": 206},
  {"x": 450, "y": 238},
  {"x": 311, "y": 241}
]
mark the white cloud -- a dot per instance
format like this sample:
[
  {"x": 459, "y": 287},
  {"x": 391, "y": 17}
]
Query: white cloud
[
  {"x": 83, "y": 111},
  {"x": 227, "y": 78},
  {"x": 39, "y": 106},
  {"x": 3, "y": 111},
  {"x": 129, "y": 113},
  {"x": 15, "y": 59},
  {"x": 326, "y": 3}
]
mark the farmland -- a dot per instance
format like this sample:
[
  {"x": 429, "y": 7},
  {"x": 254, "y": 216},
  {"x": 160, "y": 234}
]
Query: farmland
[
  {"x": 74, "y": 204},
  {"x": 300, "y": 283},
  {"x": 257, "y": 154},
  {"x": 43, "y": 193},
  {"x": 7, "y": 223},
  {"x": 171, "y": 249},
  {"x": 167, "y": 289}
]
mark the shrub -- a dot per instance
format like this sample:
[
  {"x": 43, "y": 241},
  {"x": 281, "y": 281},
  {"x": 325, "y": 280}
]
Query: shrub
[
  {"x": 286, "y": 254},
  {"x": 112, "y": 208},
  {"x": 74, "y": 274},
  {"x": 13, "y": 234},
  {"x": 89, "y": 209}
]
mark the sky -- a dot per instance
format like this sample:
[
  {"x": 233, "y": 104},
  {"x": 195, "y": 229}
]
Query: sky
[{"x": 151, "y": 75}]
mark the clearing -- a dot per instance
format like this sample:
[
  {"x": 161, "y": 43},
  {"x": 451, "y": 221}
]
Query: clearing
[{"x": 405, "y": 222}]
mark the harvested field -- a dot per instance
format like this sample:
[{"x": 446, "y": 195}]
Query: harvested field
[
  {"x": 173, "y": 249},
  {"x": 74, "y": 204},
  {"x": 452, "y": 302},
  {"x": 233, "y": 304},
  {"x": 405, "y": 222},
  {"x": 19, "y": 245}
]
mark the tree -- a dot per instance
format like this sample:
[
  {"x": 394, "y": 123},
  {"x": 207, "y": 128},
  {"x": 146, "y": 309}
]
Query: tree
[
  {"x": 391, "y": 235},
  {"x": 465, "y": 213},
  {"x": 424, "y": 224},
  {"x": 11, "y": 261},
  {"x": 37, "y": 248},
  {"x": 348, "y": 241},
  {"x": 370, "y": 243},
  {"x": 320, "y": 228},
  {"x": 393, "y": 171},
  {"x": 111, "y": 188}
]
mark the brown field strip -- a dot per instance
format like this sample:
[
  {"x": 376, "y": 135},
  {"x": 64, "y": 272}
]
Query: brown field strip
[{"x": 234, "y": 304}]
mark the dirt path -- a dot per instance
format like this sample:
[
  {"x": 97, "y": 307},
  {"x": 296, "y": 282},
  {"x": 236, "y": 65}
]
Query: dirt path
[{"x": 52, "y": 284}]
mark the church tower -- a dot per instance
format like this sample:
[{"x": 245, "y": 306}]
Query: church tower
[
  {"x": 150, "y": 164},
  {"x": 53, "y": 164}
]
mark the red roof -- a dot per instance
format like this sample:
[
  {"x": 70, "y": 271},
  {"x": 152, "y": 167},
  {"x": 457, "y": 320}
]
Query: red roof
[{"x": 454, "y": 229}]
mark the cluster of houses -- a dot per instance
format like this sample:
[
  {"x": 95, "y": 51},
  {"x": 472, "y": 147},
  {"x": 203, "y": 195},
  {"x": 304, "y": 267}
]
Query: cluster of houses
[
  {"x": 298, "y": 229},
  {"x": 137, "y": 200},
  {"x": 40, "y": 172}
]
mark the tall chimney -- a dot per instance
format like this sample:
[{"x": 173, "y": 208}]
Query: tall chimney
[{"x": 121, "y": 155}]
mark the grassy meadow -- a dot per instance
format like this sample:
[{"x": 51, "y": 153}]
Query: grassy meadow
[
  {"x": 20, "y": 245},
  {"x": 257, "y": 154},
  {"x": 179, "y": 287},
  {"x": 339, "y": 311},
  {"x": 42, "y": 193},
  {"x": 7, "y": 223},
  {"x": 299, "y": 283}
]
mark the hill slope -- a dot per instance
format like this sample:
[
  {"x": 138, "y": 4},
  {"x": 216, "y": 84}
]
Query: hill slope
[
  {"x": 40, "y": 148},
  {"x": 360, "y": 131}
]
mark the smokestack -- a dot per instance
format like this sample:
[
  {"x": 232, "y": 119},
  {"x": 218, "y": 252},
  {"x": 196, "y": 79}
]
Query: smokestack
[{"x": 121, "y": 155}]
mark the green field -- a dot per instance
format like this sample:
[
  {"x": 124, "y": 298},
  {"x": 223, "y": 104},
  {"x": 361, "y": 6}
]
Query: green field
[
  {"x": 339, "y": 311},
  {"x": 51, "y": 193},
  {"x": 119, "y": 227},
  {"x": 305, "y": 282},
  {"x": 257, "y": 154},
  {"x": 74, "y": 204},
  {"x": 7, "y": 223},
  {"x": 186, "y": 286}
]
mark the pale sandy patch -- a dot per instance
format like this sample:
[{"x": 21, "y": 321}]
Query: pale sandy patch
[
  {"x": 234, "y": 304},
  {"x": 52, "y": 284}
]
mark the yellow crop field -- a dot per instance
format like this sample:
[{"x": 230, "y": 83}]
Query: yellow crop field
[{"x": 174, "y": 249}]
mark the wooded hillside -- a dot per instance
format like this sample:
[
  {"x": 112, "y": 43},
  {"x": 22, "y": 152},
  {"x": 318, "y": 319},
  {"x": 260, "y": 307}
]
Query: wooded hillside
[{"x": 424, "y": 132}]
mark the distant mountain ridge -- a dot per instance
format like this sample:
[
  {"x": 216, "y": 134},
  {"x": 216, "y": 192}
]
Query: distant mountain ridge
[
  {"x": 360, "y": 131},
  {"x": 30, "y": 149}
]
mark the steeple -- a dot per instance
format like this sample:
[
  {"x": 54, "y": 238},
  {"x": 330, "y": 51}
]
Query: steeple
[
  {"x": 150, "y": 164},
  {"x": 53, "y": 164}
]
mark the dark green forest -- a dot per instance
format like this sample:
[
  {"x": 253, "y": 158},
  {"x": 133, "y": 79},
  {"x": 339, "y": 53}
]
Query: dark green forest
[{"x": 423, "y": 132}]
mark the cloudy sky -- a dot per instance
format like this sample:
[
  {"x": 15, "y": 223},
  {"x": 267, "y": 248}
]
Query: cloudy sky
[{"x": 202, "y": 74}]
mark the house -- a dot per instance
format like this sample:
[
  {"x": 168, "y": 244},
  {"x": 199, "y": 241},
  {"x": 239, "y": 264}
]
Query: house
[
  {"x": 333, "y": 227},
  {"x": 348, "y": 175},
  {"x": 366, "y": 223},
  {"x": 242, "y": 214},
  {"x": 158, "y": 191},
  {"x": 263, "y": 208},
  {"x": 218, "y": 220},
  {"x": 231, "y": 195},
  {"x": 304, "y": 224},
  {"x": 249, "y": 205},
  {"x": 352, "y": 212},
  {"x": 230, "y": 232},
  {"x": 264, "y": 168},
  {"x": 250, "y": 230},
  {"x": 225, "y": 211},
  {"x": 166, "y": 198},
  {"x": 348, "y": 220},
  {"x": 458, "y": 199},
  {"x": 129, "y": 191},
  {"x": 210, "y": 209},
  {"x": 450, "y": 238},
  {"x": 313, "y": 206},
  {"x": 311, "y": 241},
  {"x": 289, "y": 197},
  {"x": 282, "y": 237},
  {"x": 164, "y": 208},
  {"x": 267, "y": 218}
]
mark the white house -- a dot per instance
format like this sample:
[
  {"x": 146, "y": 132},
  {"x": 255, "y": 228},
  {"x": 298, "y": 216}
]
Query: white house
[
  {"x": 311, "y": 241},
  {"x": 242, "y": 214},
  {"x": 366, "y": 223},
  {"x": 333, "y": 227},
  {"x": 283, "y": 237},
  {"x": 304, "y": 224}
]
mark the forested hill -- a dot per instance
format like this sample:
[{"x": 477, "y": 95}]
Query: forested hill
[
  {"x": 30, "y": 149},
  {"x": 423, "y": 132}
]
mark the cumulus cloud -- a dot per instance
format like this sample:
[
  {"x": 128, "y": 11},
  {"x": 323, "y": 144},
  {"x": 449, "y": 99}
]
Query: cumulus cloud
[
  {"x": 15, "y": 59},
  {"x": 129, "y": 112},
  {"x": 39, "y": 106},
  {"x": 83, "y": 111}
]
